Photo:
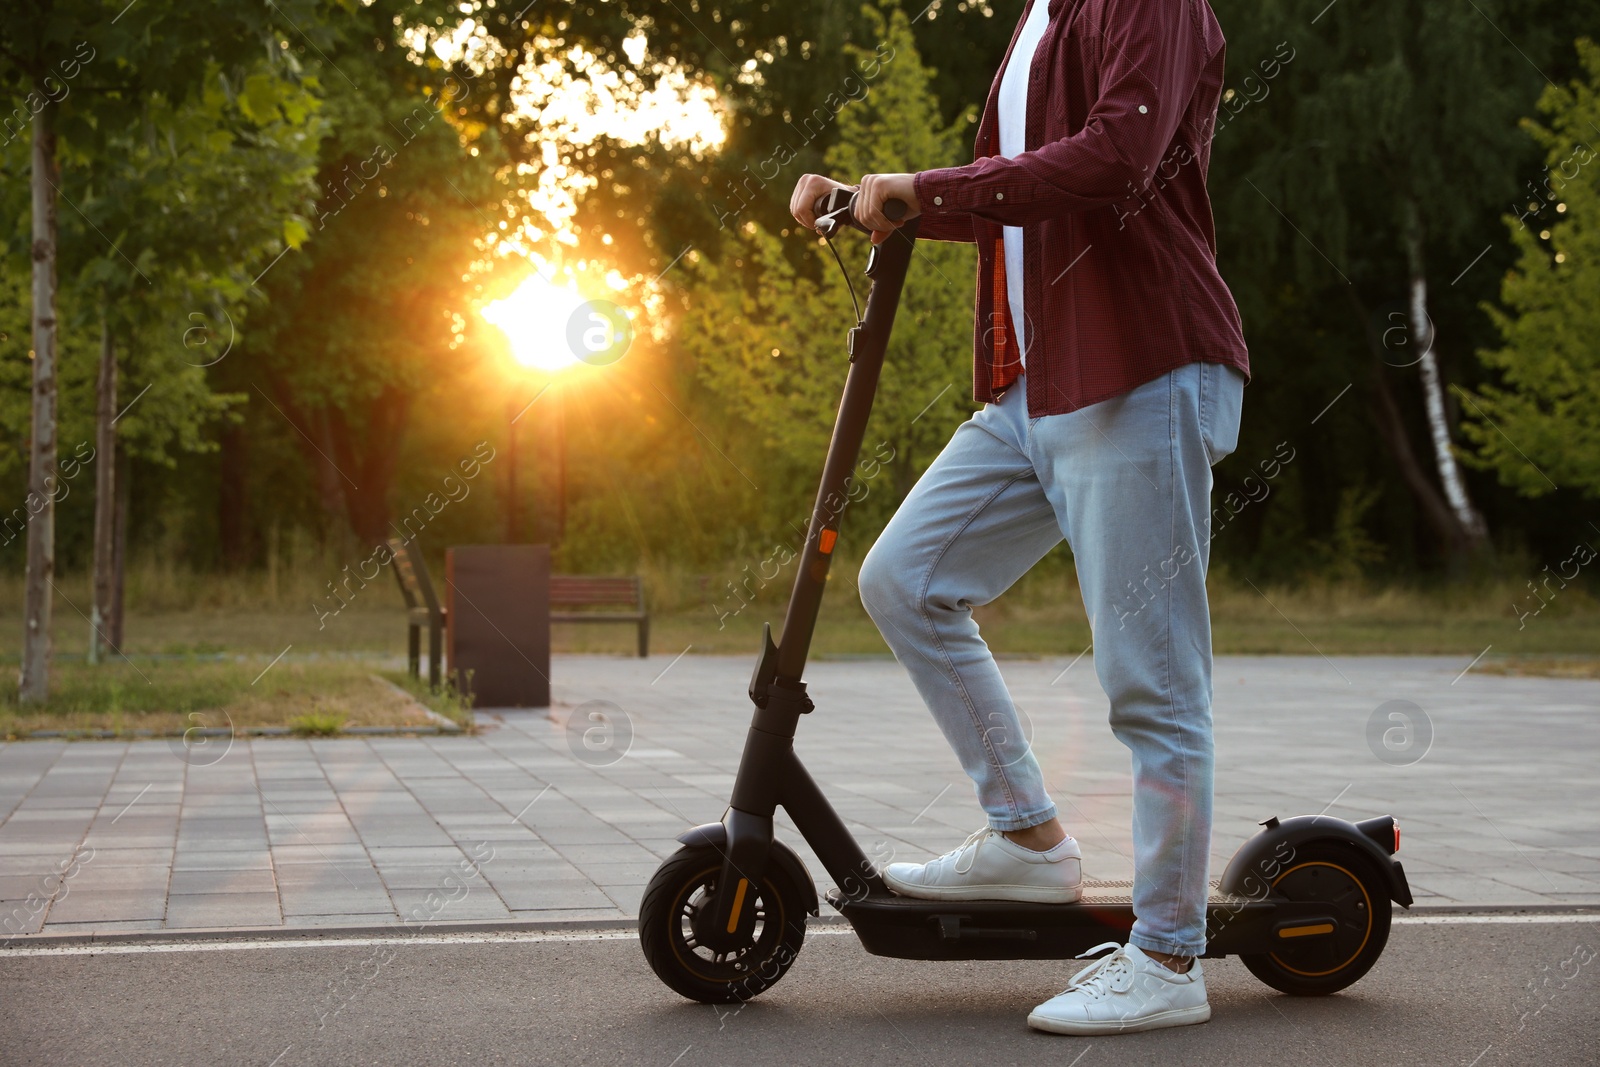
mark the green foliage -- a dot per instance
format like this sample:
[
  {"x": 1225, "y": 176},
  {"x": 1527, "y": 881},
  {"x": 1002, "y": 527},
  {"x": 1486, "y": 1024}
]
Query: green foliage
[
  {"x": 1315, "y": 162},
  {"x": 1541, "y": 426},
  {"x": 407, "y": 197},
  {"x": 210, "y": 191},
  {"x": 448, "y": 700},
  {"x": 1348, "y": 551},
  {"x": 699, "y": 450},
  {"x": 769, "y": 341},
  {"x": 926, "y": 385},
  {"x": 317, "y": 724},
  {"x": 1342, "y": 124},
  {"x": 179, "y": 181}
]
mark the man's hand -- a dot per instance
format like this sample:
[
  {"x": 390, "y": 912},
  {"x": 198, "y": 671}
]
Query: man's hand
[
  {"x": 807, "y": 191},
  {"x": 875, "y": 189}
]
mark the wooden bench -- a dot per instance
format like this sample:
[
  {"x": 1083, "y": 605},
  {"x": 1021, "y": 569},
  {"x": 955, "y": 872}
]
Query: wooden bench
[
  {"x": 584, "y": 591},
  {"x": 422, "y": 609}
]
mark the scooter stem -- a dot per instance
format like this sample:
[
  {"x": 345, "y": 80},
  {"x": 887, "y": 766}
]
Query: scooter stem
[
  {"x": 868, "y": 343},
  {"x": 769, "y": 772}
]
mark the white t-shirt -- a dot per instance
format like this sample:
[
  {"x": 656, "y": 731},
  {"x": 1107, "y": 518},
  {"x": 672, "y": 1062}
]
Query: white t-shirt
[{"x": 1013, "y": 141}]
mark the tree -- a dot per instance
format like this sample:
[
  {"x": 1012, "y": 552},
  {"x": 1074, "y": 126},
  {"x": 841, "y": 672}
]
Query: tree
[
  {"x": 778, "y": 73},
  {"x": 769, "y": 341},
  {"x": 368, "y": 319},
  {"x": 1355, "y": 157},
  {"x": 34, "y": 682},
  {"x": 205, "y": 193},
  {"x": 1540, "y": 427},
  {"x": 49, "y": 47},
  {"x": 654, "y": 198}
]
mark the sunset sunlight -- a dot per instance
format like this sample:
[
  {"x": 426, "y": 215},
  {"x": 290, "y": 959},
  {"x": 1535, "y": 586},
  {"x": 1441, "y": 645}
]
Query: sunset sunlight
[{"x": 534, "y": 318}]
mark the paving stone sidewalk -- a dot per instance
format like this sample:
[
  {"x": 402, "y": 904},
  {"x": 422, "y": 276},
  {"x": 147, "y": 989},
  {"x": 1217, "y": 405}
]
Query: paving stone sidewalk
[{"x": 564, "y": 816}]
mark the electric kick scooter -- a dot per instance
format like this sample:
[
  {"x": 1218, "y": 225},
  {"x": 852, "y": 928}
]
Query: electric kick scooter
[{"x": 1305, "y": 903}]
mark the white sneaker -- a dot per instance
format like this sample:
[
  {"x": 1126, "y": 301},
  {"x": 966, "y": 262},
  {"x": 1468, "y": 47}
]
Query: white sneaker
[
  {"x": 1123, "y": 992},
  {"x": 989, "y": 866}
]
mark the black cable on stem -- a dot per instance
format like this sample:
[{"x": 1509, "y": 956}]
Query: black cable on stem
[{"x": 847, "y": 282}]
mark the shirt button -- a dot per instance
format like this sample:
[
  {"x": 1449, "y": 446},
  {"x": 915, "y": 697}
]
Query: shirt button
[
  {"x": 937, "y": 201},
  {"x": 999, "y": 196},
  {"x": 1143, "y": 110}
]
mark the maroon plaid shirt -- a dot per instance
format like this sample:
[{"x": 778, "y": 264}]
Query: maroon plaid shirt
[{"x": 1121, "y": 283}]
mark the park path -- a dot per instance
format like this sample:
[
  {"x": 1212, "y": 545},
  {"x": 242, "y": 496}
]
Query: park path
[{"x": 562, "y": 817}]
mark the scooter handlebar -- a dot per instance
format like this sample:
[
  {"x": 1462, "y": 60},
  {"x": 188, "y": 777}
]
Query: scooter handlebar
[{"x": 837, "y": 209}]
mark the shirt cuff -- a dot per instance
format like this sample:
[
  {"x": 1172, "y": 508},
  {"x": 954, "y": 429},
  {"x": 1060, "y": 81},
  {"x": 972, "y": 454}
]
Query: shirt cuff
[{"x": 933, "y": 191}]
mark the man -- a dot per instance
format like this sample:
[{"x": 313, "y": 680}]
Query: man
[{"x": 1110, "y": 360}]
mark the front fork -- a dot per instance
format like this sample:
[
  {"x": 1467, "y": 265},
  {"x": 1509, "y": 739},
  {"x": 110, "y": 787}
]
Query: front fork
[{"x": 757, "y": 791}]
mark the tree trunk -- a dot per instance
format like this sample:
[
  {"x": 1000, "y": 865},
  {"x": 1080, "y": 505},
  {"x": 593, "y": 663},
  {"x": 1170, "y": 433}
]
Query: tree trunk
[
  {"x": 105, "y": 497},
  {"x": 233, "y": 497},
  {"x": 371, "y": 455},
  {"x": 558, "y": 427},
  {"x": 512, "y": 535},
  {"x": 305, "y": 423},
  {"x": 330, "y": 480},
  {"x": 905, "y": 472},
  {"x": 1462, "y": 512},
  {"x": 115, "y": 635},
  {"x": 355, "y": 466},
  {"x": 1392, "y": 428},
  {"x": 34, "y": 687}
]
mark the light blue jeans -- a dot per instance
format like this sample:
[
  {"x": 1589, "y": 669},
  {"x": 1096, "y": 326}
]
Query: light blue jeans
[{"x": 1128, "y": 483}]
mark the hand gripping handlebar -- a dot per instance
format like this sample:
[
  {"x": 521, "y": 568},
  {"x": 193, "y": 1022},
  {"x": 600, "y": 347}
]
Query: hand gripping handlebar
[{"x": 838, "y": 209}]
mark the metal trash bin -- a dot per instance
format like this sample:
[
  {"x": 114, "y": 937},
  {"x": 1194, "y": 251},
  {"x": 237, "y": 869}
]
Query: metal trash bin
[{"x": 498, "y": 624}]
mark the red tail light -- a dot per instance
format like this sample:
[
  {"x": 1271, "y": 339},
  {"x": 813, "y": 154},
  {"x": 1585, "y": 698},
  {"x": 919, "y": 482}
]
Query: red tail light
[{"x": 1396, "y": 837}]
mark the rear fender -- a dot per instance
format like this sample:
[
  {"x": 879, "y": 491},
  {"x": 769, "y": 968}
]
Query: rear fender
[{"x": 1264, "y": 857}]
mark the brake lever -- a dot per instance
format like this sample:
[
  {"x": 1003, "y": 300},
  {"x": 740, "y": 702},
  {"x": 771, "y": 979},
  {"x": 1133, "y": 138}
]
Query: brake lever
[
  {"x": 834, "y": 211},
  {"x": 837, "y": 209}
]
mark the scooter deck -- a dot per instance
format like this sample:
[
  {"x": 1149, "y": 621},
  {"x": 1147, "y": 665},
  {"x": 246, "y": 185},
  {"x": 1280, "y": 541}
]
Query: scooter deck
[
  {"x": 908, "y": 928},
  {"x": 1121, "y": 892}
]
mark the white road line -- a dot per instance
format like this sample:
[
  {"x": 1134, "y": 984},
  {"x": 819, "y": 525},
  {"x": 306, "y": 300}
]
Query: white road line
[
  {"x": 535, "y": 937},
  {"x": 1478, "y": 920},
  {"x": 135, "y": 948}
]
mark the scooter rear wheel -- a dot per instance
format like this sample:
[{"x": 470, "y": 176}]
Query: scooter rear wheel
[
  {"x": 1338, "y": 875},
  {"x": 681, "y": 889}
]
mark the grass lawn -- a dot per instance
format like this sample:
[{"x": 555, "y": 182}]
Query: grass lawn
[
  {"x": 167, "y": 696},
  {"x": 1307, "y": 625},
  {"x": 1044, "y": 617},
  {"x": 207, "y": 652}
]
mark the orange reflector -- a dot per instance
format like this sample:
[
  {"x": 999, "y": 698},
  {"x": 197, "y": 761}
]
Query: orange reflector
[
  {"x": 1306, "y": 931},
  {"x": 738, "y": 905},
  {"x": 1396, "y": 837},
  {"x": 826, "y": 539}
]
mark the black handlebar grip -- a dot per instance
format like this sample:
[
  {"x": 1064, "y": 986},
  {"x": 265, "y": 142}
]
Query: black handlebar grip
[
  {"x": 843, "y": 200},
  {"x": 831, "y": 201}
]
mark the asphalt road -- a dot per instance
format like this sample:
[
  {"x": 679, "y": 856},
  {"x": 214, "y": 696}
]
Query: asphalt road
[{"x": 1459, "y": 993}]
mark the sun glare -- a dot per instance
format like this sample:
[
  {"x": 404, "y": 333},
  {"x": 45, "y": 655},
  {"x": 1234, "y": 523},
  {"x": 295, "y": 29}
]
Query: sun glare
[{"x": 534, "y": 319}]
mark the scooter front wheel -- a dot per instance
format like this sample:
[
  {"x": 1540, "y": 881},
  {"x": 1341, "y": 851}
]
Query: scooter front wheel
[
  {"x": 1339, "y": 876},
  {"x": 677, "y": 897}
]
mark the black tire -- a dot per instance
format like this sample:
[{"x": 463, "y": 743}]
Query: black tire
[
  {"x": 681, "y": 885},
  {"x": 1339, "y": 874}
]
